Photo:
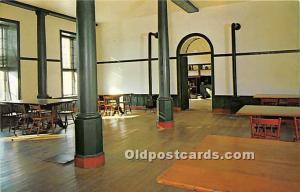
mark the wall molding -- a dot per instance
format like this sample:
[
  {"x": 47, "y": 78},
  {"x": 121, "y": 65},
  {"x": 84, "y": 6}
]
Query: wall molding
[
  {"x": 272, "y": 52},
  {"x": 35, "y": 59}
]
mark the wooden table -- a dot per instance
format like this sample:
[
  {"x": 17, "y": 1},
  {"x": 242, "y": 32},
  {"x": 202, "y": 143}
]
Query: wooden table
[
  {"x": 42, "y": 102},
  {"x": 276, "y": 167},
  {"x": 274, "y": 111},
  {"x": 51, "y": 103}
]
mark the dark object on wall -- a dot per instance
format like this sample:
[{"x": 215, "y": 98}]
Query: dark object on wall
[
  {"x": 150, "y": 59},
  {"x": 150, "y": 103},
  {"x": 234, "y": 27}
]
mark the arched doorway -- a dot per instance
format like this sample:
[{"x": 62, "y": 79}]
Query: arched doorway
[{"x": 182, "y": 53}]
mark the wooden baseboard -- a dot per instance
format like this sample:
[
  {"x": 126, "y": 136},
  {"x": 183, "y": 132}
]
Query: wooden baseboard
[
  {"x": 138, "y": 107},
  {"x": 221, "y": 111},
  {"x": 176, "y": 109}
]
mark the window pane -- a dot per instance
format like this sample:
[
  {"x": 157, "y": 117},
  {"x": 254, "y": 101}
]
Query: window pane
[
  {"x": 75, "y": 84},
  {"x": 2, "y": 91},
  {"x": 8, "y": 61},
  {"x": 67, "y": 83},
  {"x": 13, "y": 85},
  {"x": 66, "y": 53}
]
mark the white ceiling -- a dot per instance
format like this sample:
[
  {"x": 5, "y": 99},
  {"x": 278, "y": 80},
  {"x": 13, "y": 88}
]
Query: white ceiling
[{"x": 108, "y": 10}]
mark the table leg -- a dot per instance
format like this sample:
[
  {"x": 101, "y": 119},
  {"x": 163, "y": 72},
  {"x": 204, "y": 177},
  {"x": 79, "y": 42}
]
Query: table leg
[{"x": 53, "y": 116}]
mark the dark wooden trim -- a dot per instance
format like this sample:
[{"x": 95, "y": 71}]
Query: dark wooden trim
[
  {"x": 61, "y": 64},
  {"x": 68, "y": 32},
  {"x": 198, "y": 53},
  {"x": 259, "y": 53},
  {"x": 223, "y": 55},
  {"x": 54, "y": 60},
  {"x": 68, "y": 70},
  {"x": 34, "y": 8},
  {"x": 205, "y": 53},
  {"x": 35, "y": 59},
  {"x": 126, "y": 61},
  {"x": 269, "y": 52},
  {"x": 28, "y": 58}
]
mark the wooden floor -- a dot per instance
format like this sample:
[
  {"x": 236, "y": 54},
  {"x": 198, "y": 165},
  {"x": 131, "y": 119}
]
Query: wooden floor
[{"x": 24, "y": 165}]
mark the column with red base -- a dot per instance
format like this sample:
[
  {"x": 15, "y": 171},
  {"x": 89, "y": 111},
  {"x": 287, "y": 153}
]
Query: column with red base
[
  {"x": 164, "y": 101},
  {"x": 88, "y": 124}
]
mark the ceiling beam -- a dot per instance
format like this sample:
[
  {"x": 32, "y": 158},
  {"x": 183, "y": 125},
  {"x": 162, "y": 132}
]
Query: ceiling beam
[{"x": 186, "y": 5}]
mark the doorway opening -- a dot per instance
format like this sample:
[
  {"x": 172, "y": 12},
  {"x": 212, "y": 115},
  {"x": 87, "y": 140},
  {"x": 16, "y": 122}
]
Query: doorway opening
[{"x": 195, "y": 70}]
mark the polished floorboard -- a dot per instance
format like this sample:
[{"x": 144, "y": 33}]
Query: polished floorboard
[{"x": 25, "y": 165}]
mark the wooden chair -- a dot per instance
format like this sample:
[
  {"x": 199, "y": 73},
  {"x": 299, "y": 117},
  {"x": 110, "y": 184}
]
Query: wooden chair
[
  {"x": 110, "y": 105},
  {"x": 125, "y": 100},
  {"x": 21, "y": 118},
  {"x": 263, "y": 128},
  {"x": 100, "y": 104},
  {"x": 269, "y": 101},
  {"x": 150, "y": 104},
  {"x": 7, "y": 115},
  {"x": 297, "y": 128},
  {"x": 66, "y": 110},
  {"x": 40, "y": 118}
]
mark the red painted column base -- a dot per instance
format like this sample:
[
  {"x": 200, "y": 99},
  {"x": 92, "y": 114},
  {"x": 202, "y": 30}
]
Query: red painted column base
[
  {"x": 89, "y": 162},
  {"x": 165, "y": 124}
]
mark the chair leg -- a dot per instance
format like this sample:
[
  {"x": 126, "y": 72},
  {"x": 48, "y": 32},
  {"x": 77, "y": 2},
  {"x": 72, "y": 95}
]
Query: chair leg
[
  {"x": 17, "y": 126},
  {"x": 66, "y": 123},
  {"x": 34, "y": 124},
  {"x": 73, "y": 118},
  {"x": 38, "y": 129},
  {"x": 1, "y": 123},
  {"x": 9, "y": 125}
]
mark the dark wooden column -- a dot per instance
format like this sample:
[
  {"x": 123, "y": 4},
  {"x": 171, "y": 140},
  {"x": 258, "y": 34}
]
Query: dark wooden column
[
  {"x": 88, "y": 124},
  {"x": 164, "y": 101},
  {"x": 42, "y": 55}
]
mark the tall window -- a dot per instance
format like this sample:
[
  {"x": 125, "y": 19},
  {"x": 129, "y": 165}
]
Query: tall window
[
  {"x": 69, "y": 67},
  {"x": 9, "y": 60}
]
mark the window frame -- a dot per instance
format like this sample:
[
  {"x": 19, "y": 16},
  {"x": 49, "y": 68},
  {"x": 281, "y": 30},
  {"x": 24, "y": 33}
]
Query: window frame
[
  {"x": 71, "y": 35},
  {"x": 17, "y": 23}
]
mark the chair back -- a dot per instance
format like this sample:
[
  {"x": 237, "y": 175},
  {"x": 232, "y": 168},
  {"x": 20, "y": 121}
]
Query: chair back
[
  {"x": 108, "y": 99},
  {"x": 19, "y": 109},
  {"x": 70, "y": 106},
  {"x": 265, "y": 128},
  {"x": 35, "y": 111},
  {"x": 5, "y": 109}
]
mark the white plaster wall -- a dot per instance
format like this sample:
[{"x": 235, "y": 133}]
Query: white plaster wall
[{"x": 266, "y": 25}]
